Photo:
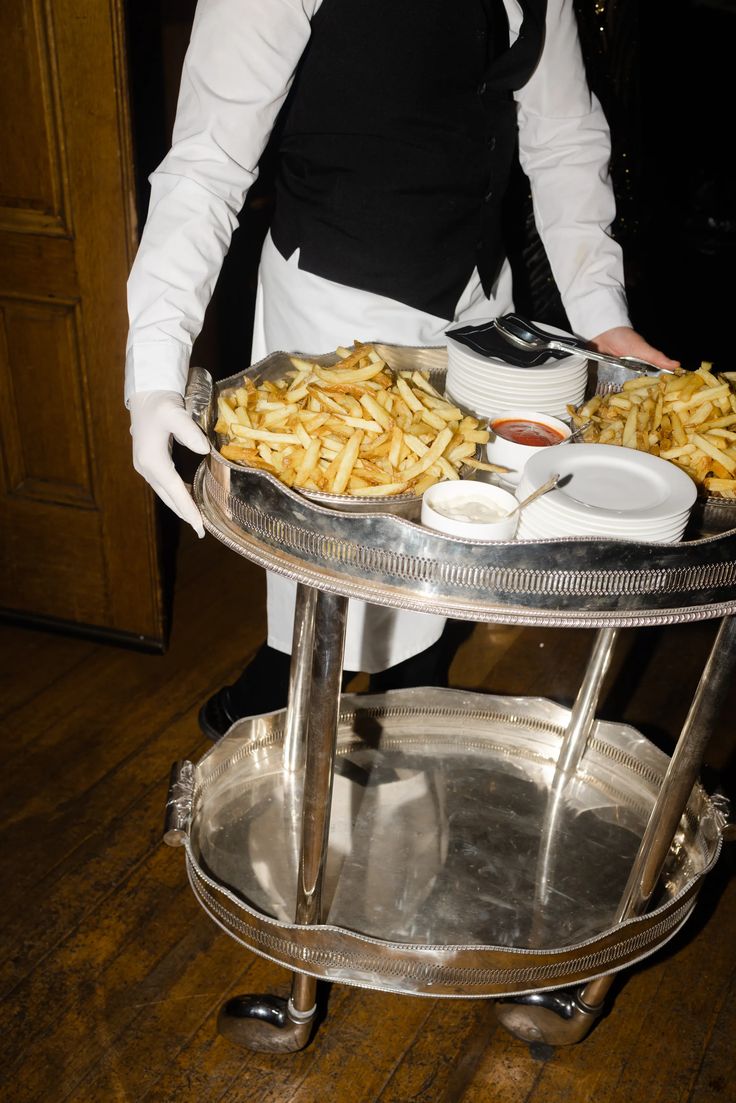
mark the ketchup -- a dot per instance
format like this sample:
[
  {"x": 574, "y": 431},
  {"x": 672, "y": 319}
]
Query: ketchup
[{"x": 532, "y": 433}]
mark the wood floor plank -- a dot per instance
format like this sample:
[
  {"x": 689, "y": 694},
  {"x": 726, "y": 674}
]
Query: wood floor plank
[
  {"x": 716, "y": 1077},
  {"x": 680, "y": 1024},
  {"x": 30, "y": 662},
  {"x": 47, "y": 911},
  {"x": 206, "y": 1065},
  {"x": 359, "y": 1053},
  {"x": 174, "y": 1001},
  {"x": 506, "y": 1073},
  {"x": 441, "y": 1061},
  {"x": 135, "y": 937}
]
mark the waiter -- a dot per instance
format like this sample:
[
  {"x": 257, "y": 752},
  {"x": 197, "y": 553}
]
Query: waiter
[{"x": 400, "y": 123}]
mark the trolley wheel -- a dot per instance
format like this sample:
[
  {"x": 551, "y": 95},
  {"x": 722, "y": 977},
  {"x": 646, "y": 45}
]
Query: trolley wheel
[
  {"x": 266, "y": 1024},
  {"x": 550, "y": 1018}
]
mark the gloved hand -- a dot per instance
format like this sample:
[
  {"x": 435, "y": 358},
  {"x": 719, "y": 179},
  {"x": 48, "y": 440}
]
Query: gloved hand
[{"x": 156, "y": 417}]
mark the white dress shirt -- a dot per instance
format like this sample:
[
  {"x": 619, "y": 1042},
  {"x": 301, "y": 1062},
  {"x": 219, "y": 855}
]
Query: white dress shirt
[{"x": 236, "y": 76}]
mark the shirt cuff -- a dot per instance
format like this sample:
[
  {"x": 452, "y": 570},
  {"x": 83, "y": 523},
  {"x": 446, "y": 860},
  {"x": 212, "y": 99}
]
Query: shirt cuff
[
  {"x": 156, "y": 366},
  {"x": 598, "y": 311}
]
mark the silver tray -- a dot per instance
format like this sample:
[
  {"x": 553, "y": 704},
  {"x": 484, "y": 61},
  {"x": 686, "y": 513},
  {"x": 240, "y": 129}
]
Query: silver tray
[
  {"x": 451, "y": 869},
  {"x": 430, "y": 360}
]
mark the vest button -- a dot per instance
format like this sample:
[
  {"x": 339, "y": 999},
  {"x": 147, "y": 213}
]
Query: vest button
[
  {"x": 492, "y": 143},
  {"x": 488, "y": 197},
  {"x": 482, "y": 87}
]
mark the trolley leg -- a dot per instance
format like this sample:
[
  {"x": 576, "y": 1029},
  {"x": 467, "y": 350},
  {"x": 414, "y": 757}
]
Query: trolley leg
[
  {"x": 582, "y": 716},
  {"x": 271, "y": 1023},
  {"x": 535, "y": 1017},
  {"x": 300, "y": 680},
  {"x": 557, "y": 1018},
  {"x": 580, "y": 725}
]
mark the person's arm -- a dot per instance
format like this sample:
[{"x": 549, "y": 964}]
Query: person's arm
[
  {"x": 564, "y": 148},
  {"x": 237, "y": 73}
]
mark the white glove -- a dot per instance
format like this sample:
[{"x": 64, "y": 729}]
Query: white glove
[{"x": 156, "y": 417}]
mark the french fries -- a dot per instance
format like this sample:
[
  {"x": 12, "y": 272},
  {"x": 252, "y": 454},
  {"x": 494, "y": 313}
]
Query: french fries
[
  {"x": 688, "y": 419},
  {"x": 357, "y": 428}
]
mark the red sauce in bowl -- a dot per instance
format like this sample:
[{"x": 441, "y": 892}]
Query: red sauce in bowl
[{"x": 532, "y": 433}]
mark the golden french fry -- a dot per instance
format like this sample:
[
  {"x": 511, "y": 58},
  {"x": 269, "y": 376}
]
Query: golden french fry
[
  {"x": 715, "y": 453},
  {"x": 244, "y": 431},
  {"x": 481, "y": 465},
  {"x": 308, "y": 463},
  {"x": 361, "y": 423},
  {"x": 674, "y": 453},
  {"x": 726, "y": 488},
  {"x": 383, "y": 490},
  {"x": 629, "y": 435},
  {"x": 408, "y": 396},
  {"x": 349, "y": 375},
  {"x": 376, "y": 411}
]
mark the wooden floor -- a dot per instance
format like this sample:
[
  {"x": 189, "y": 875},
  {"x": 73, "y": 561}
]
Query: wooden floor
[{"x": 112, "y": 974}]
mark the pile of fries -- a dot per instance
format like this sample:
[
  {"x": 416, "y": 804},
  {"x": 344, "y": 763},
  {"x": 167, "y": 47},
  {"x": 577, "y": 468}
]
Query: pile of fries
[
  {"x": 689, "y": 419},
  {"x": 356, "y": 428}
]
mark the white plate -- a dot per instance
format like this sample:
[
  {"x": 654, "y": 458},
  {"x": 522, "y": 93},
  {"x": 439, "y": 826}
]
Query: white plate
[
  {"x": 485, "y": 407},
  {"x": 514, "y": 375},
  {"x": 617, "y": 483},
  {"x": 593, "y": 528},
  {"x": 530, "y": 529},
  {"x": 543, "y": 392},
  {"x": 556, "y": 513},
  {"x": 550, "y": 514}
]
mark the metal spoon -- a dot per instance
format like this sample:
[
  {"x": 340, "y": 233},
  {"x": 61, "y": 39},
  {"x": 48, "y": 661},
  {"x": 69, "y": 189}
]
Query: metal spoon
[
  {"x": 577, "y": 432},
  {"x": 525, "y": 335},
  {"x": 551, "y": 483}
]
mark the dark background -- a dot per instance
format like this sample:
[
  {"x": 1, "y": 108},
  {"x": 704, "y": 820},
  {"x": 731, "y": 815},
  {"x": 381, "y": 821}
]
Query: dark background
[{"x": 663, "y": 70}]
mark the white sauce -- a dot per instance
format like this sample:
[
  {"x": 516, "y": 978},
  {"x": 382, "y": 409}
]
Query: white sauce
[{"x": 471, "y": 509}]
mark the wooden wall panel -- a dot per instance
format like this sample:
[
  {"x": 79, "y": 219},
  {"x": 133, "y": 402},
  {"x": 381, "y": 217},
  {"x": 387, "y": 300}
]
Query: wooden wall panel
[
  {"x": 45, "y": 443},
  {"x": 30, "y": 168},
  {"x": 51, "y": 561}
]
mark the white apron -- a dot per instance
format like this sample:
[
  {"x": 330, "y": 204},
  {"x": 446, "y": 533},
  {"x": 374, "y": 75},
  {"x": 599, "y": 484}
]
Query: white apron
[{"x": 297, "y": 311}]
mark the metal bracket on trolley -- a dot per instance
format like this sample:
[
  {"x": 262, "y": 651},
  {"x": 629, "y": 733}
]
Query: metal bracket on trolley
[
  {"x": 179, "y": 803},
  {"x": 722, "y": 806}
]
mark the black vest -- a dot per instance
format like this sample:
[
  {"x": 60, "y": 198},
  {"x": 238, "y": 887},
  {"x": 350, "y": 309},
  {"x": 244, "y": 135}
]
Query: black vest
[{"x": 397, "y": 142}]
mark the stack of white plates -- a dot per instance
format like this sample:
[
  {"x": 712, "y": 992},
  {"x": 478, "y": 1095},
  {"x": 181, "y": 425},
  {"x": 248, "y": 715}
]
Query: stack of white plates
[
  {"x": 610, "y": 491},
  {"x": 488, "y": 386}
]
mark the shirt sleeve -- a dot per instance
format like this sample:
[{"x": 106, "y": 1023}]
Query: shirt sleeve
[
  {"x": 565, "y": 149},
  {"x": 237, "y": 73}
]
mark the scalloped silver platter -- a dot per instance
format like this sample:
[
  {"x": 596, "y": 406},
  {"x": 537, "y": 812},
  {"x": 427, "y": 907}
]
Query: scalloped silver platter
[
  {"x": 398, "y": 357},
  {"x": 454, "y": 865}
]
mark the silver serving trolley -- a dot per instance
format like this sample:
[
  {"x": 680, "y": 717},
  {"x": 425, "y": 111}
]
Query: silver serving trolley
[{"x": 441, "y": 842}]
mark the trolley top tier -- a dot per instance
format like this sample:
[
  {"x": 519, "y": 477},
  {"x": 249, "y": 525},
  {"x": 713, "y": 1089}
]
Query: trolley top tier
[{"x": 389, "y": 560}]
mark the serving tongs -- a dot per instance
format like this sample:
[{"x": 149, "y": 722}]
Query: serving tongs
[{"x": 526, "y": 335}]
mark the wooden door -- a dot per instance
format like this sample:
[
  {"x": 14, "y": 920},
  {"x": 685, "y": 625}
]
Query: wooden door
[{"x": 78, "y": 543}]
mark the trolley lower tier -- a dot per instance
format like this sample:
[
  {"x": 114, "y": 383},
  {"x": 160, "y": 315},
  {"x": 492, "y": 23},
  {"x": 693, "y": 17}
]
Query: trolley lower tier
[{"x": 460, "y": 862}]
